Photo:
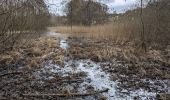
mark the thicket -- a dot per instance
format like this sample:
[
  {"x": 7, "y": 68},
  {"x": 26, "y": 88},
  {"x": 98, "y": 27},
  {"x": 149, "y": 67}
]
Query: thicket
[{"x": 21, "y": 19}]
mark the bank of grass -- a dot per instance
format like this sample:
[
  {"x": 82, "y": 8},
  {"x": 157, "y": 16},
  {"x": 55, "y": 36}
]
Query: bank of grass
[{"x": 34, "y": 53}]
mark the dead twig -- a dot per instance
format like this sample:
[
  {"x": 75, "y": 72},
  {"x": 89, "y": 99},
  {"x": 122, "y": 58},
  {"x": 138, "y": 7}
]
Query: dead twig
[{"x": 66, "y": 95}]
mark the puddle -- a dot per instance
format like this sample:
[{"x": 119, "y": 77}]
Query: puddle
[
  {"x": 62, "y": 37},
  {"x": 54, "y": 34},
  {"x": 63, "y": 43}
]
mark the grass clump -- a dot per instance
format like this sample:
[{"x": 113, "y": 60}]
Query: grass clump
[{"x": 34, "y": 54}]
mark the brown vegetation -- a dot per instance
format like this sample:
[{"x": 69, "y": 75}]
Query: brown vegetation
[
  {"x": 127, "y": 27},
  {"x": 127, "y": 64},
  {"x": 34, "y": 53},
  {"x": 21, "y": 19}
]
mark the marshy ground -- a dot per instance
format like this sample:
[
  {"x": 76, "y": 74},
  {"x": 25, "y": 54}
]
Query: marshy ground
[
  {"x": 84, "y": 50},
  {"x": 72, "y": 67}
]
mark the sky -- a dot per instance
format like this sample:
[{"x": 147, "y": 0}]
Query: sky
[{"x": 120, "y": 6}]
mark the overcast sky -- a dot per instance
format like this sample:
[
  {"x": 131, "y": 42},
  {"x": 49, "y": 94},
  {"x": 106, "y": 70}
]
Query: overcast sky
[{"x": 120, "y": 6}]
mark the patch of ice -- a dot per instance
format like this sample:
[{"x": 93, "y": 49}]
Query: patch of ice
[
  {"x": 64, "y": 44},
  {"x": 50, "y": 33},
  {"x": 98, "y": 79},
  {"x": 143, "y": 94}
]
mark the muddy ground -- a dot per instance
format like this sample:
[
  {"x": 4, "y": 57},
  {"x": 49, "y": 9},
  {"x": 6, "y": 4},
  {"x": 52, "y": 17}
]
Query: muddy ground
[{"x": 65, "y": 67}]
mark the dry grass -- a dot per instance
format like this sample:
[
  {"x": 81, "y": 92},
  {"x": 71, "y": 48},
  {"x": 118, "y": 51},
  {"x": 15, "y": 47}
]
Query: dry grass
[
  {"x": 58, "y": 59},
  {"x": 5, "y": 59},
  {"x": 118, "y": 31},
  {"x": 92, "y": 31},
  {"x": 34, "y": 54},
  {"x": 140, "y": 64}
]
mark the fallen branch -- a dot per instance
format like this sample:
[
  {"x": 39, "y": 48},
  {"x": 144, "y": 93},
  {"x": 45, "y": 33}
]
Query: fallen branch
[
  {"x": 66, "y": 81},
  {"x": 11, "y": 73},
  {"x": 66, "y": 95},
  {"x": 73, "y": 81}
]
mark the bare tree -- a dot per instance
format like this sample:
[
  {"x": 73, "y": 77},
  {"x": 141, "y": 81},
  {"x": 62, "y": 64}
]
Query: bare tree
[{"x": 143, "y": 27}]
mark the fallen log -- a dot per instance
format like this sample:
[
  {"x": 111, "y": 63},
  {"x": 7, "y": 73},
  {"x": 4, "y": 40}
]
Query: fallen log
[{"x": 67, "y": 94}]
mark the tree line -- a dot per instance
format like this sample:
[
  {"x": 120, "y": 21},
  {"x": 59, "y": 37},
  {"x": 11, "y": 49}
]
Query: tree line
[
  {"x": 20, "y": 17},
  {"x": 86, "y": 12}
]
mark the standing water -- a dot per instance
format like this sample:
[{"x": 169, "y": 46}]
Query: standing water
[
  {"x": 63, "y": 43},
  {"x": 62, "y": 38}
]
